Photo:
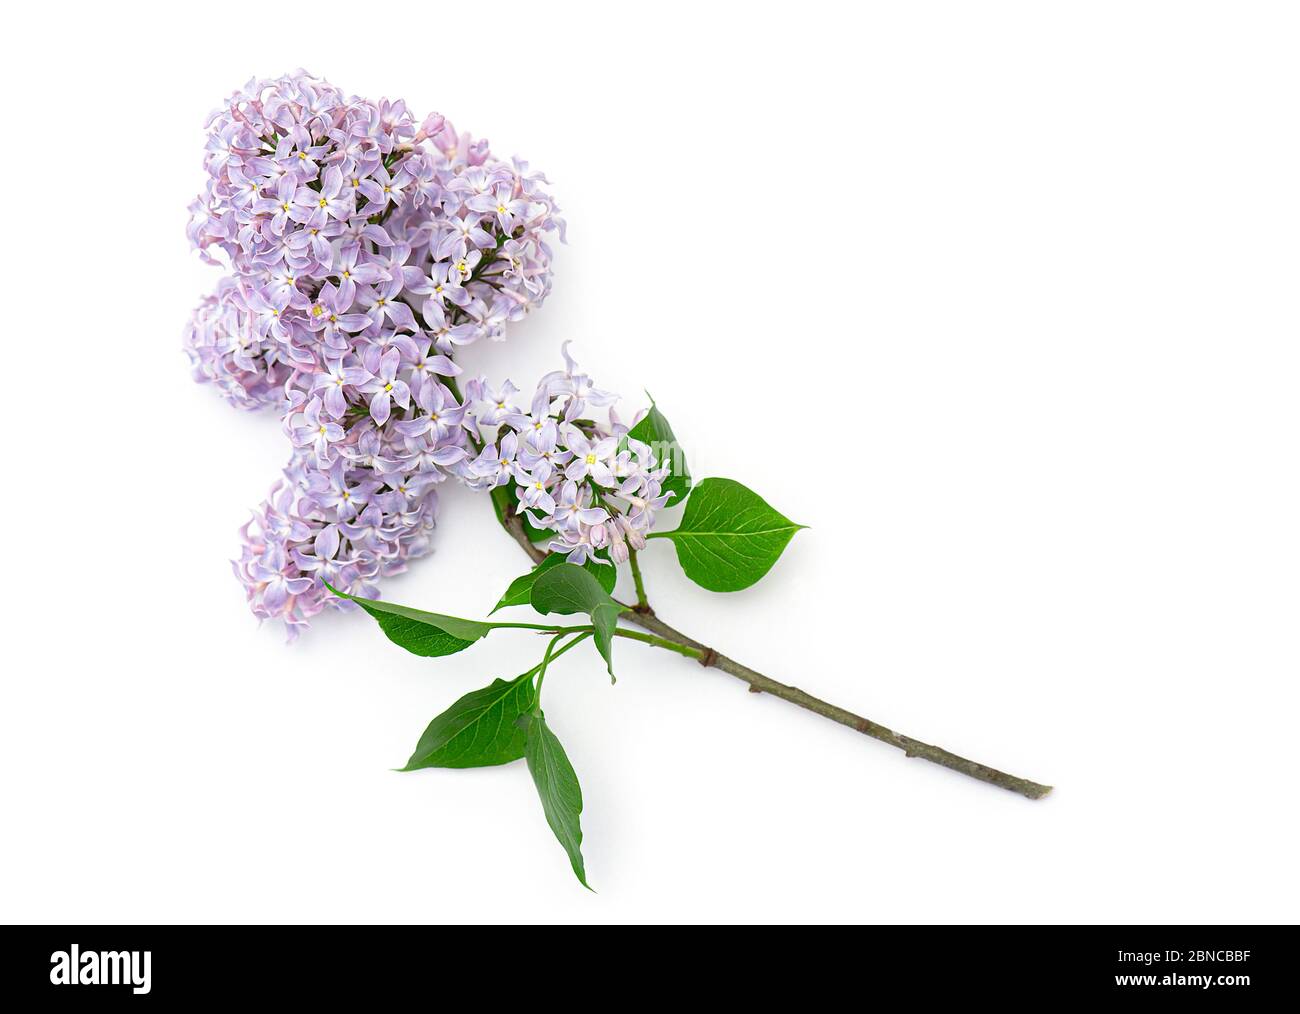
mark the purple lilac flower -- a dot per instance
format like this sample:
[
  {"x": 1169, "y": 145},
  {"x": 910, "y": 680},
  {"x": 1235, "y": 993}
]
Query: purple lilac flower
[
  {"x": 311, "y": 429},
  {"x": 497, "y": 403},
  {"x": 225, "y": 350},
  {"x": 597, "y": 489},
  {"x": 590, "y": 457},
  {"x": 336, "y": 218},
  {"x": 495, "y": 465},
  {"x": 384, "y": 386},
  {"x": 351, "y": 268},
  {"x": 302, "y": 533}
]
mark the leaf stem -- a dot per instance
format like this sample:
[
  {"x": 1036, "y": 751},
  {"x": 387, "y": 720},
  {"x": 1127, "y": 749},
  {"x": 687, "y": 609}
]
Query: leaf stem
[
  {"x": 545, "y": 628},
  {"x": 550, "y": 656},
  {"x": 660, "y": 642},
  {"x": 758, "y": 683}
]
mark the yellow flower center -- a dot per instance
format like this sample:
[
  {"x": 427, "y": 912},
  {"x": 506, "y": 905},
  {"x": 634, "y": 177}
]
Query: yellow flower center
[{"x": 591, "y": 459}]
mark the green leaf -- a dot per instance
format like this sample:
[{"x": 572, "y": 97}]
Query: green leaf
[
  {"x": 567, "y": 590},
  {"x": 571, "y": 589},
  {"x": 501, "y": 502},
  {"x": 604, "y": 621},
  {"x": 729, "y": 536},
  {"x": 479, "y": 730},
  {"x": 655, "y": 431},
  {"x": 521, "y": 588},
  {"x": 557, "y": 785},
  {"x": 421, "y": 633}
]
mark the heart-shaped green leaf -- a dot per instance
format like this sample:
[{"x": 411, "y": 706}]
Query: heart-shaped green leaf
[
  {"x": 729, "y": 536},
  {"x": 421, "y": 633},
  {"x": 479, "y": 730},
  {"x": 557, "y": 785},
  {"x": 570, "y": 589},
  {"x": 520, "y": 591},
  {"x": 655, "y": 431}
]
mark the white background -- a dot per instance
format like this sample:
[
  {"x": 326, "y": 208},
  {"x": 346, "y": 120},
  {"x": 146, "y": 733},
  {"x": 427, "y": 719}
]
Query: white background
[{"x": 1000, "y": 299}]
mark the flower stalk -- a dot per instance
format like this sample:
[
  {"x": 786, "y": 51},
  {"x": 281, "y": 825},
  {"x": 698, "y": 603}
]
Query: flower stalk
[{"x": 642, "y": 603}]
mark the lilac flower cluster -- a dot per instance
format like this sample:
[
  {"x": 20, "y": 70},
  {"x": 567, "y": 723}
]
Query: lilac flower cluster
[
  {"x": 340, "y": 220},
  {"x": 338, "y": 525},
  {"x": 226, "y": 352},
  {"x": 591, "y": 484},
  {"x": 362, "y": 250}
]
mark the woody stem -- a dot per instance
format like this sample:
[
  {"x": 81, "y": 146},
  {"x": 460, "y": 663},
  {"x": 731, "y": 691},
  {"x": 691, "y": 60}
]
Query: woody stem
[{"x": 644, "y": 617}]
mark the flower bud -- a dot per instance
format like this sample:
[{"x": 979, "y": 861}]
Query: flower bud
[
  {"x": 634, "y": 536},
  {"x": 432, "y": 124},
  {"x": 617, "y": 547}
]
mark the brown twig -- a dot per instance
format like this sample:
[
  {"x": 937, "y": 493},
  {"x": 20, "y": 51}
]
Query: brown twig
[{"x": 644, "y": 617}]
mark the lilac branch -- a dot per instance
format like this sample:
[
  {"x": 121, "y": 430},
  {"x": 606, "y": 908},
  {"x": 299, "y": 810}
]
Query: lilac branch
[{"x": 758, "y": 683}]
